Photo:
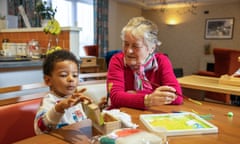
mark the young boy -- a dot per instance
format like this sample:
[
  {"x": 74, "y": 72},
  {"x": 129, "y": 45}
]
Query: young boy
[{"x": 62, "y": 105}]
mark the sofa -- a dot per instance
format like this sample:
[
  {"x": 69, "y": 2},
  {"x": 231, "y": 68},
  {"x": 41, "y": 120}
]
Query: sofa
[{"x": 17, "y": 120}]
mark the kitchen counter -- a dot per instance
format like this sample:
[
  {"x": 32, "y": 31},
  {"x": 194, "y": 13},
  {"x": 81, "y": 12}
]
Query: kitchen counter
[
  {"x": 20, "y": 72},
  {"x": 38, "y": 29},
  {"x": 68, "y": 38},
  {"x": 21, "y": 64},
  {"x": 24, "y": 72}
]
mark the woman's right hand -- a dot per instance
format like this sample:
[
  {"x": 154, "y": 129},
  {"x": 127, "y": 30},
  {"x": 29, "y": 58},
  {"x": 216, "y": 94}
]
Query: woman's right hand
[{"x": 162, "y": 95}]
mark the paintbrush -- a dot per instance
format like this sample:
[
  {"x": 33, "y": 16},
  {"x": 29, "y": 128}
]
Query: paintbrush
[{"x": 189, "y": 99}]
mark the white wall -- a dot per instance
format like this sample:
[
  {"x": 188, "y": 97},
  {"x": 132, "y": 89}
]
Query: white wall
[
  {"x": 3, "y": 7},
  {"x": 184, "y": 43},
  {"x": 119, "y": 14}
]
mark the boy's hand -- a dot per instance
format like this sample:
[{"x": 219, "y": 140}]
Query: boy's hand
[{"x": 72, "y": 100}]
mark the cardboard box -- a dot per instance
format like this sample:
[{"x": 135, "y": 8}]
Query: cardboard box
[
  {"x": 104, "y": 123},
  {"x": 88, "y": 61},
  {"x": 108, "y": 126}
]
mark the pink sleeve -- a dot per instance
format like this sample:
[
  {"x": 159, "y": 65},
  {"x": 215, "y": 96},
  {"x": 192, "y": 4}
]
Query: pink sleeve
[
  {"x": 120, "y": 76},
  {"x": 118, "y": 96},
  {"x": 167, "y": 76}
]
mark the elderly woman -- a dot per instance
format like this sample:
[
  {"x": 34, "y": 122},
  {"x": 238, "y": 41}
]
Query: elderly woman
[{"x": 138, "y": 77}]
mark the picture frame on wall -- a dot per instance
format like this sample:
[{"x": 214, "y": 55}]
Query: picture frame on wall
[{"x": 219, "y": 28}]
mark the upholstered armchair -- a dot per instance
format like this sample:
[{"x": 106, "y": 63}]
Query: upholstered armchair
[
  {"x": 226, "y": 62},
  {"x": 91, "y": 50},
  {"x": 110, "y": 54}
]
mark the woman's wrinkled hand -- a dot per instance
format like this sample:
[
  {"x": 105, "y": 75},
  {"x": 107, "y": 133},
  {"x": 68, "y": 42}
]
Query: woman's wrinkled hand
[
  {"x": 72, "y": 100},
  {"x": 162, "y": 95}
]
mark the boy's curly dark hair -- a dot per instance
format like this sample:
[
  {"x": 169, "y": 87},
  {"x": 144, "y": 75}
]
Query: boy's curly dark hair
[{"x": 57, "y": 56}]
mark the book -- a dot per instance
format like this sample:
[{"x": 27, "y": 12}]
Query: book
[{"x": 183, "y": 123}]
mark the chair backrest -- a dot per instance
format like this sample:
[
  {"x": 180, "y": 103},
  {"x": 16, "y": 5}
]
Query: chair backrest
[
  {"x": 91, "y": 50},
  {"x": 226, "y": 60},
  {"x": 110, "y": 54}
]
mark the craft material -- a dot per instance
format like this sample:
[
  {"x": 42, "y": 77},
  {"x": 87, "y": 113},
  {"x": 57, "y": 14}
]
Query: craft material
[
  {"x": 207, "y": 116},
  {"x": 104, "y": 123},
  {"x": 185, "y": 123},
  {"x": 131, "y": 136},
  {"x": 93, "y": 112},
  {"x": 108, "y": 92},
  {"x": 124, "y": 117},
  {"x": 195, "y": 101},
  {"x": 230, "y": 114},
  {"x": 194, "y": 111}
]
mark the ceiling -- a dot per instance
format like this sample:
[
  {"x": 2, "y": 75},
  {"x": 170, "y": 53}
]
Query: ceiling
[{"x": 154, "y": 4}]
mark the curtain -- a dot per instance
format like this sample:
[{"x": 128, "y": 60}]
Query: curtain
[{"x": 101, "y": 25}]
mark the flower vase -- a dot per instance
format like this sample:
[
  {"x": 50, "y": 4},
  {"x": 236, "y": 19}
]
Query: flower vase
[{"x": 44, "y": 22}]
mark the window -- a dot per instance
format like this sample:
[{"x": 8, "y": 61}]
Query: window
[
  {"x": 85, "y": 21},
  {"x": 77, "y": 13},
  {"x": 64, "y": 12}
]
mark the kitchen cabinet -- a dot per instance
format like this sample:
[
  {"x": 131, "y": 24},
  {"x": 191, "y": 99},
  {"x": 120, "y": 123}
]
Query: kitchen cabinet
[
  {"x": 23, "y": 72},
  {"x": 68, "y": 39}
]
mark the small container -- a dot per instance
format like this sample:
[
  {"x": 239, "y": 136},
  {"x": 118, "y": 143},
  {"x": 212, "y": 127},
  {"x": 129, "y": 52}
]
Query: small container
[
  {"x": 4, "y": 51},
  {"x": 12, "y": 51},
  {"x": 21, "y": 49},
  {"x": 34, "y": 51},
  {"x": 5, "y": 40},
  {"x": 108, "y": 126},
  {"x": 89, "y": 61}
]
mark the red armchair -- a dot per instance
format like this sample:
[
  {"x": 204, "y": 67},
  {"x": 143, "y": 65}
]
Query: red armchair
[
  {"x": 226, "y": 62},
  {"x": 91, "y": 50}
]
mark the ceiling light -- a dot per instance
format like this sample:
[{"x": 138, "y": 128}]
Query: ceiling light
[{"x": 188, "y": 5}]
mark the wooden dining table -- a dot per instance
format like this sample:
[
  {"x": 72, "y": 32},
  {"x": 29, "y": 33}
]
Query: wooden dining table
[
  {"x": 206, "y": 83},
  {"x": 228, "y": 127}
]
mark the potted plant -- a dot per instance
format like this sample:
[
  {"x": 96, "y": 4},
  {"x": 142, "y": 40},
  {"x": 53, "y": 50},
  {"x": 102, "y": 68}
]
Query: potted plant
[{"x": 45, "y": 11}]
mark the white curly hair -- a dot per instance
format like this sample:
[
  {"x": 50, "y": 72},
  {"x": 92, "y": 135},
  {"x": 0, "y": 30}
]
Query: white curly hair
[{"x": 140, "y": 27}]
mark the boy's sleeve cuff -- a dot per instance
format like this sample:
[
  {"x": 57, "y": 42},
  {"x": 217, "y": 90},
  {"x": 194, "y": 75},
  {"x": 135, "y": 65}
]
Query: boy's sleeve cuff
[{"x": 53, "y": 116}]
